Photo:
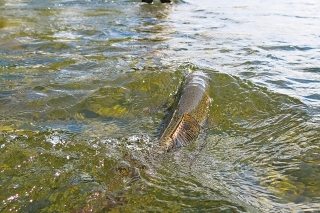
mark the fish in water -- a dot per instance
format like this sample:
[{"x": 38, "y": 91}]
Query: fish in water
[
  {"x": 183, "y": 126},
  {"x": 189, "y": 113}
]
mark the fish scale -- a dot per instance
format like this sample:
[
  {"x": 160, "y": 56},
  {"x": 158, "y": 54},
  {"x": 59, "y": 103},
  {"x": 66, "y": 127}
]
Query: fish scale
[{"x": 189, "y": 114}]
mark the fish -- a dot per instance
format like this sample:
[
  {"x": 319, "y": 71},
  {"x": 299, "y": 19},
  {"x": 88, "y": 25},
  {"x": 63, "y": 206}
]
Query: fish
[{"x": 189, "y": 113}]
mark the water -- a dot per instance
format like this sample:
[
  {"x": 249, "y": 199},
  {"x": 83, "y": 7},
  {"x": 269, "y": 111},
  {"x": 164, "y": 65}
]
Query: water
[{"x": 81, "y": 83}]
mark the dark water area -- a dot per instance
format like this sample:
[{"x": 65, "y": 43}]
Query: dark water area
[{"x": 81, "y": 83}]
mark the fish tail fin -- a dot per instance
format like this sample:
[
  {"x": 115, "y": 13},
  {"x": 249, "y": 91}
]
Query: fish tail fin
[{"x": 186, "y": 132}]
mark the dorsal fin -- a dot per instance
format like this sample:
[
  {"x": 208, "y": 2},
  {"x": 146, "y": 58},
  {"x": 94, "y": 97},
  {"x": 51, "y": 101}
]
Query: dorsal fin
[{"x": 186, "y": 132}]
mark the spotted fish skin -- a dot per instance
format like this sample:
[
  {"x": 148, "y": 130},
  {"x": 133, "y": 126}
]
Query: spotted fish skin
[{"x": 189, "y": 115}]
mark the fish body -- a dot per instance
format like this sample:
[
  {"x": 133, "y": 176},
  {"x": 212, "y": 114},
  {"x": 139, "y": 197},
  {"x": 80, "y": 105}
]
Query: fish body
[{"x": 189, "y": 114}]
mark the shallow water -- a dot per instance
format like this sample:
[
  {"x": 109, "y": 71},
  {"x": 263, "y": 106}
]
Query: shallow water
[{"x": 77, "y": 80}]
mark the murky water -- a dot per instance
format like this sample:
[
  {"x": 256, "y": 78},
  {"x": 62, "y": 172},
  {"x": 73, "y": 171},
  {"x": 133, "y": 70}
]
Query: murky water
[{"x": 81, "y": 83}]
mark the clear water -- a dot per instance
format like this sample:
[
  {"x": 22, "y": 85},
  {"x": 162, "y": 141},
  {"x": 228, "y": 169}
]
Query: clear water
[{"x": 77, "y": 80}]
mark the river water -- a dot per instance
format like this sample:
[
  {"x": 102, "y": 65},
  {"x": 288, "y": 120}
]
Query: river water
[{"x": 81, "y": 83}]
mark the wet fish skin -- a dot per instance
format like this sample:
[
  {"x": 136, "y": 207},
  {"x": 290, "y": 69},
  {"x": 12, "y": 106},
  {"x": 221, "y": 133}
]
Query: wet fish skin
[{"x": 189, "y": 113}]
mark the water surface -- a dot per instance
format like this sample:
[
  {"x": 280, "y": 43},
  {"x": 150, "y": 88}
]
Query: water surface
[{"x": 81, "y": 83}]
